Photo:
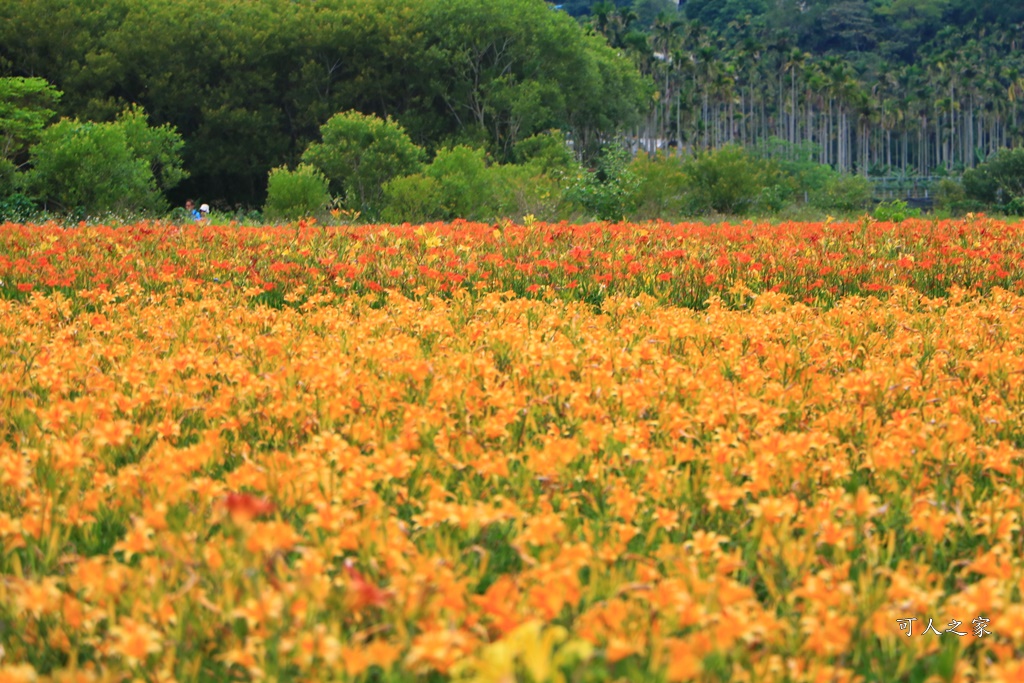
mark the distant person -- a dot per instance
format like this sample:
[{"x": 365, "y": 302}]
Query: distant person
[
  {"x": 190, "y": 209},
  {"x": 204, "y": 212}
]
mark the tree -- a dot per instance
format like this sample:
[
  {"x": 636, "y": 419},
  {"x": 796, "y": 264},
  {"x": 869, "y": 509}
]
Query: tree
[
  {"x": 296, "y": 194},
  {"x": 90, "y": 168},
  {"x": 999, "y": 180},
  {"x": 160, "y": 146},
  {"x": 360, "y": 153},
  {"x": 26, "y": 105}
]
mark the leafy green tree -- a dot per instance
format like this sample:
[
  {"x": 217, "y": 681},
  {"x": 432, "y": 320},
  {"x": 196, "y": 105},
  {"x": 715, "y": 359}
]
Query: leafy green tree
[
  {"x": 999, "y": 180},
  {"x": 89, "y": 168},
  {"x": 296, "y": 194},
  {"x": 647, "y": 11},
  {"x": 26, "y": 106},
  {"x": 360, "y": 153},
  {"x": 730, "y": 180},
  {"x": 460, "y": 183},
  {"x": 843, "y": 194},
  {"x": 160, "y": 146},
  {"x": 607, "y": 192}
]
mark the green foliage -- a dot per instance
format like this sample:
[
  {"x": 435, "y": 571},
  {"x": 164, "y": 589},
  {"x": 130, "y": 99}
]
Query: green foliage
[
  {"x": 999, "y": 180},
  {"x": 948, "y": 193},
  {"x": 895, "y": 211},
  {"x": 1015, "y": 207},
  {"x": 799, "y": 162},
  {"x": 26, "y": 105},
  {"x": 248, "y": 84},
  {"x": 730, "y": 180},
  {"x": 413, "y": 199},
  {"x": 662, "y": 187},
  {"x": 547, "y": 152},
  {"x": 16, "y": 208},
  {"x": 8, "y": 177},
  {"x": 296, "y": 194},
  {"x": 608, "y": 191},
  {"x": 980, "y": 186},
  {"x": 360, "y": 153},
  {"x": 89, "y": 168},
  {"x": 843, "y": 194},
  {"x": 160, "y": 146},
  {"x": 467, "y": 190},
  {"x": 459, "y": 183}
]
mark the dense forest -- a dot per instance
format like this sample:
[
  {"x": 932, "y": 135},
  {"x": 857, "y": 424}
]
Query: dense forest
[
  {"x": 878, "y": 86},
  {"x": 870, "y": 87},
  {"x": 247, "y": 84}
]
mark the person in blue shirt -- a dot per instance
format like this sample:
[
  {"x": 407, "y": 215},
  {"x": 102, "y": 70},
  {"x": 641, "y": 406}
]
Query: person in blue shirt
[{"x": 190, "y": 209}]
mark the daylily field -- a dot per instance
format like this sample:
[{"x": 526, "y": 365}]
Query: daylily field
[{"x": 580, "y": 453}]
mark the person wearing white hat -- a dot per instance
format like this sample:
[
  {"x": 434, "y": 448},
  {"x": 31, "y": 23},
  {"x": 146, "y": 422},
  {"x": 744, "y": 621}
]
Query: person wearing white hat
[{"x": 204, "y": 211}]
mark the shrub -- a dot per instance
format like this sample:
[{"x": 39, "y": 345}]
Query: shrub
[
  {"x": 1015, "y": 207},
  {"x": 608, "y": 191},
  {"x": 88, "y": 168},
  {"x": 662, "y": 188},
  {"x": 413, "y": 199},
  {"x": 998, "y": 180},
  {"x": 467, "y": 190},
  {"x": 948, "y": 193},
  {"x": 296, "y": 194},
  {"x": 980, "y": 186},
  {"x": 159, "y": 146},
  {"x": 730, "y": 180},
  {"x": 843, "y": 194},
  {"x": 359, "y": 154},
  {"x": 895, "y": 211},
  {"x": 16, "y": 208},
  {"x": 547, "y": 152},
  {"x": 459, "y": 183},
  {"x": 799, "y": 163},
  {"x": 522, "y": 190}
]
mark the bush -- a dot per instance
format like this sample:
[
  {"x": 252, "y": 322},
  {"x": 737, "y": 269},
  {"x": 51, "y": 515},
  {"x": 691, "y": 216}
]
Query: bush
[
  {"x": 980, "y": 186},
  {"x": 159, "y": 146},
  {"x": 467, "y": 190},
  {"x": 413, "y": 199},
  {"x": 895, "y": 211},
  {"x": 360, "y": 154},
  {"x": 455, "y": 185},
  {"x": 607, "y": 192},
  {"x": 731, "y": 181},
  {"x": 662, "y": 188},
  {"x": 459, "y": 183},
  {"x": 999, "y": 180},
  {"x": 90, "y": 168},
  {"x": 546, "y": 152},
  {"x": 843, "y": 194},
  {"x": 799, "y": 163},
  {"x": 523, "y": 190},
  {"x": 16, "y": 208},
  {"x": 296, "y": 194},
  {"x": 1015, "y": 207},
  {"x": 948, "y": 193}
]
